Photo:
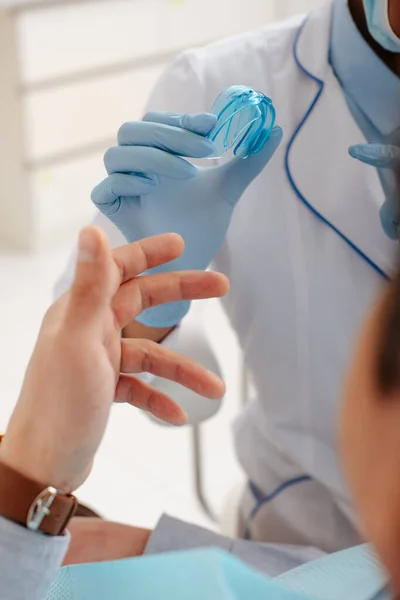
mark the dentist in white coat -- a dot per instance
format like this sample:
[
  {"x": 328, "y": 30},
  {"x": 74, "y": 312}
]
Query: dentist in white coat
[{"x": 307, "y": 247}]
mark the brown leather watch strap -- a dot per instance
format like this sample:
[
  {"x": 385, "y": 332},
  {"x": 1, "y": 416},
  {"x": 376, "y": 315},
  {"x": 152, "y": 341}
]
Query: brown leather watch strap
[{"x": 33, "y": 505}]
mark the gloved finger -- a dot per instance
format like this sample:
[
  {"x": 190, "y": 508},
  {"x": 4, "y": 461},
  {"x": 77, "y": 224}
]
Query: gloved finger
[
  {"x": 164, "y": 137},
  {"x": 389, "y": 215},
  {"x": 200, "y": 123},
  {"x": 140, "y": 394},
  {"x": 142, "y": 293},
  {"x": 106, "y": 194},
  {"x": 138, "y": 257},
  {"x": 92, "y": 288},
  {"x": 144, "y": 356},
  {"x": 238, "y": 173},
  {"x": 378, "y": 155},
  {"x": 147, "y": 161}
]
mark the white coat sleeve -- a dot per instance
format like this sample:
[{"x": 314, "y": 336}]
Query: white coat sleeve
[
  {"x": 28, "y": 561},
  {"x": 179, "y": 89}
]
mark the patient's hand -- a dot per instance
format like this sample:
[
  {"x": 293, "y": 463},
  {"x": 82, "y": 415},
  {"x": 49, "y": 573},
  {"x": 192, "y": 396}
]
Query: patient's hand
[
  {"x": 94, "y": 540},
  {"x": 80, "y": 365}
]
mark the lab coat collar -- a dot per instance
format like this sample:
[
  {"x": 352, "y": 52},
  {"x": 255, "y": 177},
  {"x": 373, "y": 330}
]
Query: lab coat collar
[
  {"x": 352, "y": 195},
  {"x": 363, "y": 75},
  {"x": 311, "y": 47}
]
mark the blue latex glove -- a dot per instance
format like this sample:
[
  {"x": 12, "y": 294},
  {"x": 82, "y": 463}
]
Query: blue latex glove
[
  {"x": 151, "y": 189},
  {"x": 384, "y": 156}
]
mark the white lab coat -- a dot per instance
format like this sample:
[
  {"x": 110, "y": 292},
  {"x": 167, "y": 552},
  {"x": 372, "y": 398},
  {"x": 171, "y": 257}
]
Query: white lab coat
[{"x": 299, "y": 291}]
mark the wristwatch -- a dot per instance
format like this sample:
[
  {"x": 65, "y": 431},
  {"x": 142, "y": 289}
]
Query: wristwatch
[{"x": 37, "y": 507}]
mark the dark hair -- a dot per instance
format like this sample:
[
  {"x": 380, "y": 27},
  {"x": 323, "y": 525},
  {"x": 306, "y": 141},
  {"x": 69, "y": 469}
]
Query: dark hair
[
  {"x": 388, "y": 374},
  {"x": 388, "y": 365}
]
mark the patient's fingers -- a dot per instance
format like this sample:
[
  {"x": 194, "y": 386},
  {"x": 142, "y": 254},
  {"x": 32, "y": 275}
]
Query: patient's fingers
[
  {"x": 140, "y": 356},
  {"x": 141, "y": 293},
  {"x": 91, "y": 289},
  {"x": 133, "y": 259},
  {"x": 137, "y": 393}
]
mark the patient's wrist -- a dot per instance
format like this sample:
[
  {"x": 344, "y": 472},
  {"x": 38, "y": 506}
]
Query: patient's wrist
[
  {"x": 23, "y": 455},
  {"x": 28, "y": 500}
]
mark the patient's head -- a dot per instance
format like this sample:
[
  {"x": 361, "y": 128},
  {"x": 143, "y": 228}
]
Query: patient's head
[{"x": 370, "y": 428}]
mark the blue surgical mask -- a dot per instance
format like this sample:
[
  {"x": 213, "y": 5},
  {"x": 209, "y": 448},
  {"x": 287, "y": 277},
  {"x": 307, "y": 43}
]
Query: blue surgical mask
[{"x": 377, "y": 14}]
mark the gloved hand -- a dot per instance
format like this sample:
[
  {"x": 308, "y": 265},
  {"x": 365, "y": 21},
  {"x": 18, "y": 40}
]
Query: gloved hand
[
  {"x": 151, "y": 189},
  {"x": 384, "y": 156}
]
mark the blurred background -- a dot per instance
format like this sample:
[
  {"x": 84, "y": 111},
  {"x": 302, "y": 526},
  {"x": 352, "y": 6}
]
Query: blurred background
[{"x": 71, "y": 73}]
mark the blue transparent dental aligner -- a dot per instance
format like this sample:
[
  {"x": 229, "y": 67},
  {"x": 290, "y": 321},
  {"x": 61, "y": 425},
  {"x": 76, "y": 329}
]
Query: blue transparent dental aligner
[{"x": 244, "y": 115}]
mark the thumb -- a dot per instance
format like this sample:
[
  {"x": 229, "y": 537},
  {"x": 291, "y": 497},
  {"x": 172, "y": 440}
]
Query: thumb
[
  {"x": 381, "y": 156},
  {"x": 92, "y": 288},
  {"x": 239, "y": 173}
]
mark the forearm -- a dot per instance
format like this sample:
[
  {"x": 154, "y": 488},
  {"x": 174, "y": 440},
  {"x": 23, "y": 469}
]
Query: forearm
[{"x": 28, "y": 561}]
